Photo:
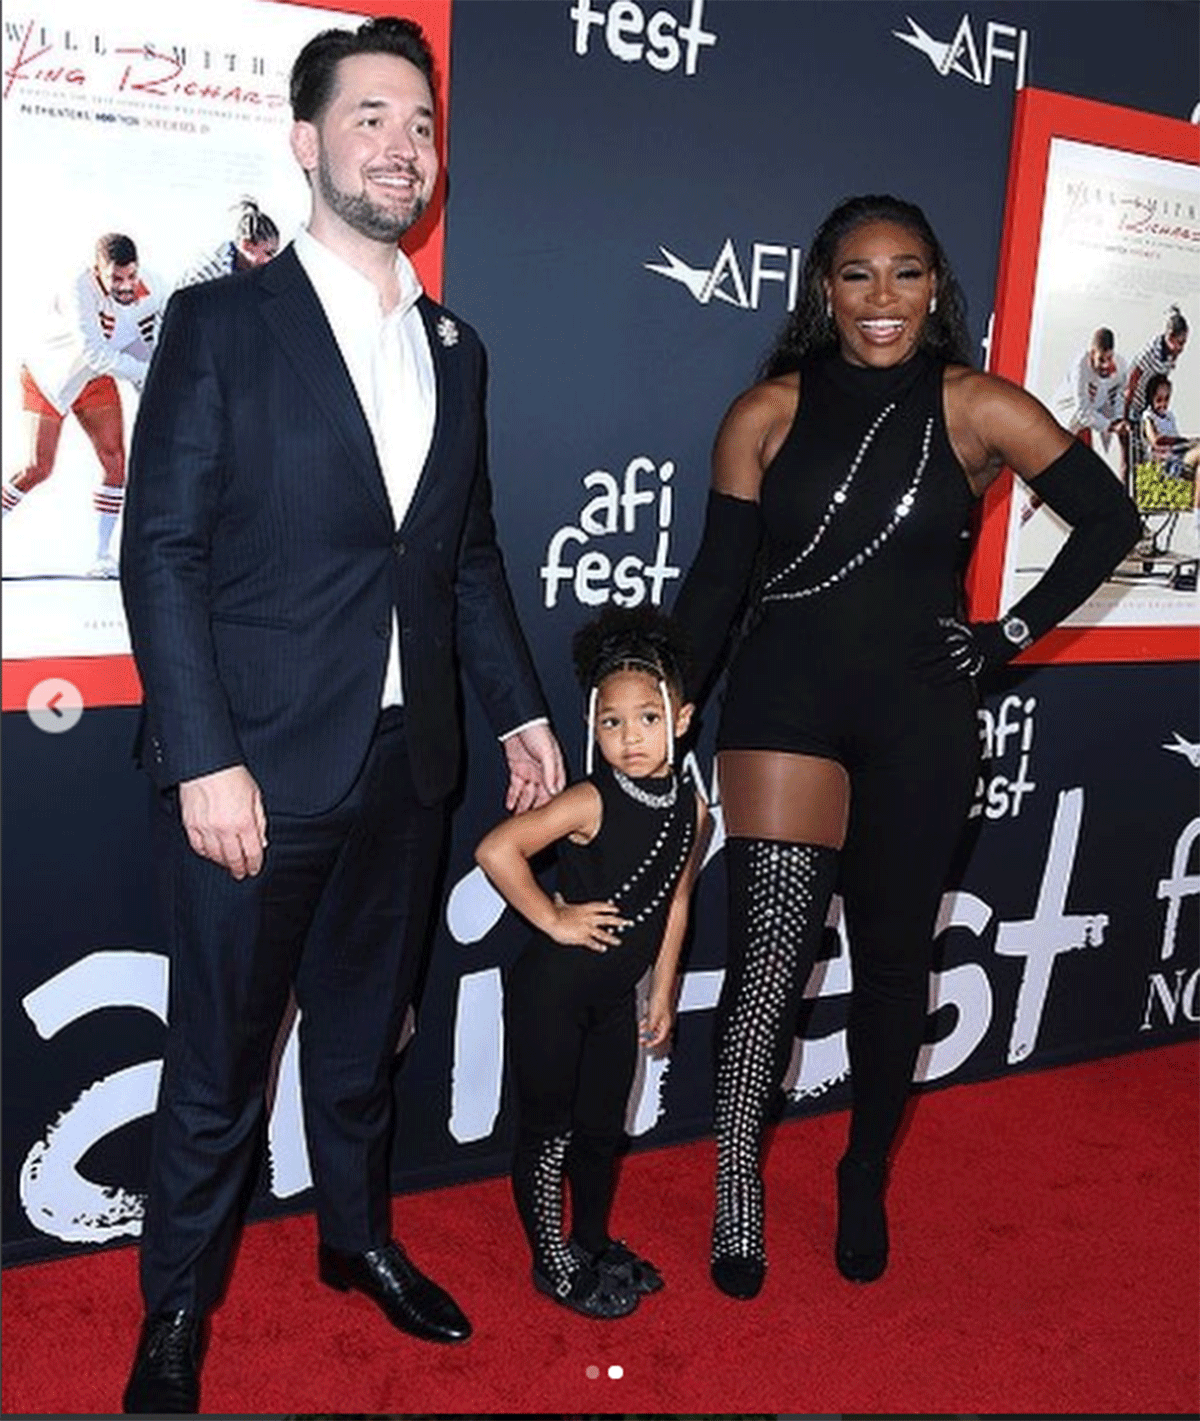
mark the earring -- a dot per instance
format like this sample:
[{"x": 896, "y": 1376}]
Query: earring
[
  {"x": 933, "y": 303},
  {"x": 829, "y": 310}
]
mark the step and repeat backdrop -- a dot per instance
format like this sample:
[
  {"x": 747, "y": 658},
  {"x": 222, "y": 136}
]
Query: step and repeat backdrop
[{"x": 630, "y": 188}]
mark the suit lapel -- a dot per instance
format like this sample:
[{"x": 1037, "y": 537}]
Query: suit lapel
[
  {"x": 447, "y": 372},
  {"x": 294, "y": 314}
]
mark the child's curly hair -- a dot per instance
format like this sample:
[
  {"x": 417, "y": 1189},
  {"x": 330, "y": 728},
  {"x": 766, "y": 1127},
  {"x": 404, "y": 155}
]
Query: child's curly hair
[{"x": 630, "y": 638}]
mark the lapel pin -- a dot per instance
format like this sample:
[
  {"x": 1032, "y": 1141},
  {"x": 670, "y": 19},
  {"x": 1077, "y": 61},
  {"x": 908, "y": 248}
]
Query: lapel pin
[{"x": 447, "y": 331}]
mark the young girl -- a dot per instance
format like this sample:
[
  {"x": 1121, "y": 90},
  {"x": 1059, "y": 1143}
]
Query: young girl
[
  {"x": 1163, "y": 442},
  {"x": 630, "y": 840}
]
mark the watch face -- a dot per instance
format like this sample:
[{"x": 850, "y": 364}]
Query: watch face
[{"x": 1016, "y": 631}]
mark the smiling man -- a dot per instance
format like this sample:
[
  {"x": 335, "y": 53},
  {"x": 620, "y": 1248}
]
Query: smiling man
[{"x": 308, "y": 560}]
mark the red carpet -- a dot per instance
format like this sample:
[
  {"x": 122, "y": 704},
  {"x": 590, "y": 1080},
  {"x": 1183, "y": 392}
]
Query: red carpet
[{"x": 1044, "y": 1260}]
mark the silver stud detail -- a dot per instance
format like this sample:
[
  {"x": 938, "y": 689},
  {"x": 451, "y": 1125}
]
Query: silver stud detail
[{"x": 902, "y": 510}]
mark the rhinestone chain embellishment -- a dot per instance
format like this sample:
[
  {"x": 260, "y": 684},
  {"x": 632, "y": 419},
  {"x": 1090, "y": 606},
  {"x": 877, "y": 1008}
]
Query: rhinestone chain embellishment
[
  {"x": 899, "y": 513},
  {"x": 667, "y": 882},
  {"x": 665, "y": 886},
  {"x": 547, "y": 1209},
  {"x": 643, "y": 796},
  {"x": 839, "y": 497}
]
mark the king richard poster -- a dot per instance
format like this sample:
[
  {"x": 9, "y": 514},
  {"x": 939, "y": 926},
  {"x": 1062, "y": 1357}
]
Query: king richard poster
[
  {"x": 139, "y": 121},
  {"x": 1119, "y": 248}
]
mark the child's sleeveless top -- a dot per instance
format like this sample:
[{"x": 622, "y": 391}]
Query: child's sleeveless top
[{"x": 636, "y": 858}]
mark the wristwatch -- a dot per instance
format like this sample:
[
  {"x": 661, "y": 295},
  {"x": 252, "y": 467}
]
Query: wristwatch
[{"x": 1016, "y": 630}]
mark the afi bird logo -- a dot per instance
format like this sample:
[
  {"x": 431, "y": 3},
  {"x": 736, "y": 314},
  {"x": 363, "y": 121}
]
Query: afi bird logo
[
  {"x": 961, "y": 54},
  {"x": 727, "y": 280},
  {"x": 698, "y": 280},
  {"x": 1185, "y": 748}
]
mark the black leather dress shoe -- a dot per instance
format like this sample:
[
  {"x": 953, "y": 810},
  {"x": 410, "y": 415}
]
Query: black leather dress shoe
[
  {"x": 409, "y": 1300},
  {"x": 166, "y": 1370}
]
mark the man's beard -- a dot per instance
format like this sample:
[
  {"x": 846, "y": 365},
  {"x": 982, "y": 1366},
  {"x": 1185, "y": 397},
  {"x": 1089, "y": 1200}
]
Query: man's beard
[{"x": 357, "y": 210}]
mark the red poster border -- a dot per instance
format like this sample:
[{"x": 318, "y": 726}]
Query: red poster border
[
  {"x": 1040, "y": 116},
  {"x": 113, "y": 680}
]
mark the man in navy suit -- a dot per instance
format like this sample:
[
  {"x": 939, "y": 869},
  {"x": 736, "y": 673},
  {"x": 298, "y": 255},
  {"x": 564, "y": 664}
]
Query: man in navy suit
[{"x": 308, "y": 558}]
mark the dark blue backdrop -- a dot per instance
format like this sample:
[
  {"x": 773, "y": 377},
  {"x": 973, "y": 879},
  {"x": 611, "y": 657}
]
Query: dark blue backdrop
[{"x": 607, "y": 216}]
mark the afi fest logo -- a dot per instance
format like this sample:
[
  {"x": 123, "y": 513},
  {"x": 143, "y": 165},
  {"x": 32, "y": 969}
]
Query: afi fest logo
[
  {"x": 633, "y": 37},
  {"x": 1176, "y": 989},
  {"x": 1004, "y": 781},
  {"x": 60, "y": 1200},
  {"x": 772, "y": 267},
  {"x": 594, "y": 576},
  {"x": 961, "y": 53},
  {"x": 1023, "y": 949}
]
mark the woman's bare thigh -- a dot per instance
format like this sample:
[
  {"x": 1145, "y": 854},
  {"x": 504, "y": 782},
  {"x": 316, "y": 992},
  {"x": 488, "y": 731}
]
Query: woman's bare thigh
[{"x": 775, "y": 794}]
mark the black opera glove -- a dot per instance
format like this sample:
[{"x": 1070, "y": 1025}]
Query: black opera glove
[
  {"x": 717, "y": 585},
  {"x": 1081, "y": 488},
  {"x": 957, "y": 650},
  {"x": 1086, "y": 494}
]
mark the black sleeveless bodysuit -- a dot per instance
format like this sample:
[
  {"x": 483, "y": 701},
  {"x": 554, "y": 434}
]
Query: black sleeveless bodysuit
[
  {"x": 635, "y": 859},
  {"x": 570, "y": 1012},
  {"x": 864, "y": 548}
]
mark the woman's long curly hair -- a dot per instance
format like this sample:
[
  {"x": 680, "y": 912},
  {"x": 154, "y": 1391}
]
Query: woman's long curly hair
[{"x": 809, "y": 327}]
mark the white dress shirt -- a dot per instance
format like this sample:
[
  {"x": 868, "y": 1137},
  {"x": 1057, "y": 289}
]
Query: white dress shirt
[
  {"x": 388, "y": 357},
  {"x": 392, "y": 369}
]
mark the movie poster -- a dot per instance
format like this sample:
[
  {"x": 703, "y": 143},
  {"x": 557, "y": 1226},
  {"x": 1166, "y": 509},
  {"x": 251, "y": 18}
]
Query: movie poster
[
  {"x": 138, "y": 121},
  {"x": 1119, "y": 247}
]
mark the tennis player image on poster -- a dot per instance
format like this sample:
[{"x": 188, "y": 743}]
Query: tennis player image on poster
[
  {"x": 144, "y": 147},
  {"x": 1118, "y": 288}
]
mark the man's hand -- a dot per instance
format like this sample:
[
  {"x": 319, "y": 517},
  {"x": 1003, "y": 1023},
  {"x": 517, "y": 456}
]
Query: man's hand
[
  {"x": 224, "y": 819},
  {"x": 535, "y": 768}
]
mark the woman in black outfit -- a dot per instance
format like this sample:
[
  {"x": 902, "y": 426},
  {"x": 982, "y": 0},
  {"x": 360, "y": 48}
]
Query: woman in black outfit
[{"x": 843, "y": 484}]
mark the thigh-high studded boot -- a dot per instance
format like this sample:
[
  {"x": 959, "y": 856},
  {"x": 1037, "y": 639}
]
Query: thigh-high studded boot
[{"x": 778, "y": 899}]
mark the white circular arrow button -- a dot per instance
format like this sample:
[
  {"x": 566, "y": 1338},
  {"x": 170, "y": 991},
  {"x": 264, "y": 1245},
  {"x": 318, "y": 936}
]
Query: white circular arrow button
[{"x": 55, "y": 705}]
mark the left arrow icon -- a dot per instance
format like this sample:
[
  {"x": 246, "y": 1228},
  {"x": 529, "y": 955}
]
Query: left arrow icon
[{"x": 55, "y": 705}]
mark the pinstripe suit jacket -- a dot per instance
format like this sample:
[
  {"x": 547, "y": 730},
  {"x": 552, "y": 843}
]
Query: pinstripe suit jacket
[{"x": 260, "y": 565}]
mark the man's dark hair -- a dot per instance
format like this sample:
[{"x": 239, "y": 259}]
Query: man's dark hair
[
  {"x": 116, "y": 248},
  {"x": 314, "y": 72},
  {"x": 1103, "y": 339}
]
